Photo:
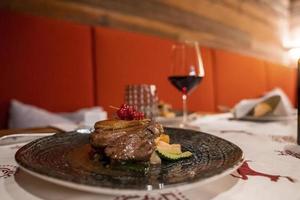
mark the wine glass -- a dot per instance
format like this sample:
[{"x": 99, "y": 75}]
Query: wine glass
[{"x": 187, "y": 71}]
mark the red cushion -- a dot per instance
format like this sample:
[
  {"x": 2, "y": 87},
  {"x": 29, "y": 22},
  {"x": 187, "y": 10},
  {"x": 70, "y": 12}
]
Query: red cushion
[
  {"x": 44, "y": 62},
  {"x": 284, "y": 78},
  {"x": 130, "y": 58},
  {"x": 237, "y": 77}
]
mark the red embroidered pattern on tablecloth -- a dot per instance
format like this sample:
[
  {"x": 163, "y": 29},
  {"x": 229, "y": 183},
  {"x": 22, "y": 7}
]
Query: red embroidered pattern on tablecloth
[
  {"x": 288, "y": 153},
  {"x": 7, "y": 170},
  {"x": 246, "y": 171},
  {"x": 163, "y": 196}
]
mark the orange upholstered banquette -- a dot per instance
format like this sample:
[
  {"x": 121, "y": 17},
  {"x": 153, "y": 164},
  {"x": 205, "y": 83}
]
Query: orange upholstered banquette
[
  {"x": 44, "y": 62},
  {"x": 63, "y": 66}
]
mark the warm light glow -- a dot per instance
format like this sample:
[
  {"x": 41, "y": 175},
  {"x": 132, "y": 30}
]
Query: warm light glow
[
  {"x": 294, "y": 53},
  {"x": 287, "y": 43}
]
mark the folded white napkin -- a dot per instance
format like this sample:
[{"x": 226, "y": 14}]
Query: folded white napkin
[{"x": 283, "y": 108}]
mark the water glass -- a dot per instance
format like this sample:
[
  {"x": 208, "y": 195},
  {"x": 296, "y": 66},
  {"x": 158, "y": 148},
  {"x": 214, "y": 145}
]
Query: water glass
[{"x": 144, "y": 98}]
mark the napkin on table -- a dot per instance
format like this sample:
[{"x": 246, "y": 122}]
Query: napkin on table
[{"x": 273, "y": 103}]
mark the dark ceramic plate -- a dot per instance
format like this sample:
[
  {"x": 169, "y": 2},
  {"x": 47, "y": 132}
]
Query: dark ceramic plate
[{"x": 65, "y": 159}]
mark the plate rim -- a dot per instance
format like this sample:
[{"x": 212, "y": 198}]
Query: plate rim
[
  {"x": 112, "y": 191},
  {"x": 119, "y": 191}
]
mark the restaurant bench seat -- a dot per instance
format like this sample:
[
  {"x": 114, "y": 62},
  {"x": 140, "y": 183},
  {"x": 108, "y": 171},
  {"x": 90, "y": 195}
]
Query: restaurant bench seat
[
  {"x": 284, "y": 78},
  {"x": 44, "y": 62},
  {"x": 63, "y": 66},
  {"x": 130, "y": 58}
]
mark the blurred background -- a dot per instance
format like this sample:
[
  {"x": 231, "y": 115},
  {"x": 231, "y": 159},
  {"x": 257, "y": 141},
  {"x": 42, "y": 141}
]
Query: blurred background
[{"x": 65, "y": 55}]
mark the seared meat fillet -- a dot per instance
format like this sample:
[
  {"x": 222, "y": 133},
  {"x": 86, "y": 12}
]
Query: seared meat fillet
[{"x": 126, "y": 140}]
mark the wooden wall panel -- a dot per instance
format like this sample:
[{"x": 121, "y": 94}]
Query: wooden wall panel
[
  {"x": 295, "y": 23},
  {"x": 252, "y": 27}
]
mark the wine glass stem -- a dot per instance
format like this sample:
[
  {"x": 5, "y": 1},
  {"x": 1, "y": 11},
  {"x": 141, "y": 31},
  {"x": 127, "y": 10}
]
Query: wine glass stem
[{"x": 184, "y": 107}]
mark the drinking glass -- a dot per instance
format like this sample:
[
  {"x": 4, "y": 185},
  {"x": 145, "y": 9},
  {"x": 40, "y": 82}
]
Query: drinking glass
[
  {"x": 187, "y": 71},
  {"x": 144, "y": 98}
]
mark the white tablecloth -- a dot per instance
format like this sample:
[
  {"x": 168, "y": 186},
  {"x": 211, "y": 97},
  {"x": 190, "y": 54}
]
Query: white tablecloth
[{"x": 270, "y": 171}]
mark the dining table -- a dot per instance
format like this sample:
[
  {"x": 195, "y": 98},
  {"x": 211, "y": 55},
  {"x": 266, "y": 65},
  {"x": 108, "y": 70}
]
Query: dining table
[{"x": 270, "y": 168}]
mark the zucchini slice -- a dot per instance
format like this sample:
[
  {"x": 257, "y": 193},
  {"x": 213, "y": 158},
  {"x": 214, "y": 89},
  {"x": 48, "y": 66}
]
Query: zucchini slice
[
  {"x": 173, "y": 157},
  {"x": 169, "y": 148}
]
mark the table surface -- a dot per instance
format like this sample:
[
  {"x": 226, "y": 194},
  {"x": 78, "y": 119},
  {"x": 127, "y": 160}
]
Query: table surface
[{"x": 270, "y": 171}]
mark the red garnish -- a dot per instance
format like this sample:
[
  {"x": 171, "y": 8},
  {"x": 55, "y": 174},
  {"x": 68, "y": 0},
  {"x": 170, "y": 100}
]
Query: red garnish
[{"x": 127, "y": 112}]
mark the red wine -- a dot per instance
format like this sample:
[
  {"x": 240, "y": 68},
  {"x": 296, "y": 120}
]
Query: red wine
[{"x": 185, "y": 83}]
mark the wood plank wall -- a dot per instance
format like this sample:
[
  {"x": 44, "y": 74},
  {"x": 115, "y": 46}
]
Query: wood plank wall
[
  {"x": 295, "y": 22},
  {"x": 251, "y": 27}
]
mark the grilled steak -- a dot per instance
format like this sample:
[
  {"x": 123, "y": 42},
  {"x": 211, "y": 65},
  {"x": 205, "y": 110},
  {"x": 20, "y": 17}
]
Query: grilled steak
[{"x": 126, "y": 140}]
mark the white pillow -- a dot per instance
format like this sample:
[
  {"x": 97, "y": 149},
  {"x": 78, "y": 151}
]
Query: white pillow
[
  {"x": 80, "y": 115},
  {"x": 86, "y": 116},
  {"x": 26, "y": 116}
]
